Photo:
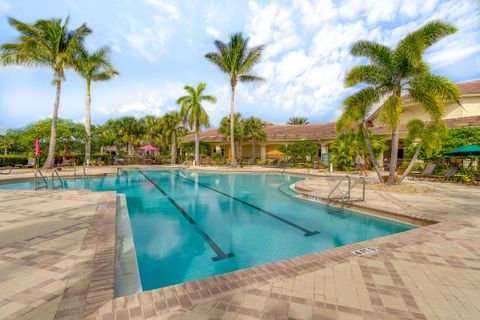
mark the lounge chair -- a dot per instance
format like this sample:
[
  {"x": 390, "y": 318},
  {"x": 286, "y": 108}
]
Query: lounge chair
[
  {"x": 30, "y": 163},
  {"x": 446, "y": 177},
  {"x": 117, "y": 160},
  {"x": 427, "y": 171}
]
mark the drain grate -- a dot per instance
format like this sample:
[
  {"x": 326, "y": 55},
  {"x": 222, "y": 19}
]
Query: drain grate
[{"x": 365, "y": 251}]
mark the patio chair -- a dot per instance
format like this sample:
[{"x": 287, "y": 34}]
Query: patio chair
[
  {"x": 446, "y": 177},
  {"x": 427, "y": 171},
  {"x": 30, "y": 163},
  {"x": 117, "y": 160}
]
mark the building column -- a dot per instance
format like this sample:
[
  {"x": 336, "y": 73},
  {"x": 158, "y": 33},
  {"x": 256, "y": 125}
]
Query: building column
[{"x": 263, "y": 152}]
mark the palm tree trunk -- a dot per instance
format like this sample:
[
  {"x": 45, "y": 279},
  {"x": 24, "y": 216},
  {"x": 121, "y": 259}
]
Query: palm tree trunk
[
  {"x": 393, "y": 157},
  {"x": 371, "y": 153},
  {"x": 53, "y": 133},
  {"x": 197, "y": 146},
  {"x": 130, "y": 145},
  {"x": 173, "y": 158},
  {"x": 254, "y": 147},
  {"x": 88, "y": 122},
  {"x": 233, "y": 162},
  {"x": 411, "y": 164}
]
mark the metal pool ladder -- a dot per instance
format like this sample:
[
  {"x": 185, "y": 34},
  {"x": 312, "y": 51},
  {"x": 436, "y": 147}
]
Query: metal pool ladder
[
  {"x": 346, "y": 197},
  {"x": 56, "y": 174},
  {"x": 39, "y": 174}
]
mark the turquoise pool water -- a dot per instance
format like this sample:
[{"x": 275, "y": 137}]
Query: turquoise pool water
[{"x": 188, "y": 225}]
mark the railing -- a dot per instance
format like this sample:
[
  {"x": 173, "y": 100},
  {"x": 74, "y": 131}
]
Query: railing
[
  {"x": 329, "y": 197},
  {"x": 55, "y": 173},
  {"x": 39, "y": 173},
  {"x": 348, "y": 193}
]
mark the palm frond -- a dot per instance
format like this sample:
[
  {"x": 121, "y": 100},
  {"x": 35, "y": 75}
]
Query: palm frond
[
  {"x": 369, "y": 74},
  {"x": 390, "y": 112},
  {"x": 377, "y": 53},
  {"x": 250, "y": 78}
]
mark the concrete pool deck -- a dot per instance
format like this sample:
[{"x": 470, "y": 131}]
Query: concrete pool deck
[{"x": 49, "y": 239}]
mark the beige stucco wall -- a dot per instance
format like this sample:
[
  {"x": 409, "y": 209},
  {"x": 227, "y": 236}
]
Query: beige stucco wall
[{"x": 470, "y": 107}]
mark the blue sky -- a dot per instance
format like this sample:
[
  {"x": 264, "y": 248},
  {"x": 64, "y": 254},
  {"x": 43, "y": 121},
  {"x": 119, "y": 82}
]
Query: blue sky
[{"x": 158, "y": 46}]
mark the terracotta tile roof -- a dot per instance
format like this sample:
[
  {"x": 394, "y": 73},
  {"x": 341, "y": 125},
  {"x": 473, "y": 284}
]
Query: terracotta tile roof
[
  {"x": 472, "y": 87},
  {"x": 320, "y": 131},
  {"x": 279, "y": 133}
]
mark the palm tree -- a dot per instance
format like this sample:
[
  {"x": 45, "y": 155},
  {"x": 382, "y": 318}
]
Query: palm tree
[
  {"x": 193, "y": 113},
  {"x": 297, "y": 121},
  {"x": 151, "y": 127},
  {"x": 392, "y": 73},
  {"x": 238, "y": 133},
  {"x": 253, "y": 128},
  {"x": 92, "y": 67},
  {"x": 129, "y": 127},
  {"x": 45, "y": 43},
  {"x": 237, "y": 60},
  {"x": 171, "y": 125},
  {"x": 425, "y": 136}
]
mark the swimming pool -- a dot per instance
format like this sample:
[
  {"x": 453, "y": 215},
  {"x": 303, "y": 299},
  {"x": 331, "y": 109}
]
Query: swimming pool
[{"x": 188, "y": 225}]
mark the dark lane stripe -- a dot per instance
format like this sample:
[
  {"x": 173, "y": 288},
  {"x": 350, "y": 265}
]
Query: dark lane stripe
[
  {"x": 307, "y": 233},
  {"x": 220, "y": 254}
]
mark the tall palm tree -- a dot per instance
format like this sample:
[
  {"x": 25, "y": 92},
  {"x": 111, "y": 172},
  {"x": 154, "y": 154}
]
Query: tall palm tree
[
  {"x": 393, "y": 72},
  {"x": 253, "y": 128},
  {"x": 297, "y": 121},
  {"x": 92, "y": 67},
  {"x": 238, "y": 133},
  {"x": 45, "y": 43},
  {"x": 171, "y": 124},
  {"x": 193, "y": 112},
  {"x": 237, "y": 60}
]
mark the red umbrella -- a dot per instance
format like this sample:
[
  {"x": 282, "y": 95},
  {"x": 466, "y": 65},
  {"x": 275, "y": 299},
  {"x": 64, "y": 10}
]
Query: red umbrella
[
  {"x": 149, "y": 147},
  {"x": 37, "y": 148}
]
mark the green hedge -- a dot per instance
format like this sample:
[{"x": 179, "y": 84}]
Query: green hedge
[{"x": 10, "y": 160}]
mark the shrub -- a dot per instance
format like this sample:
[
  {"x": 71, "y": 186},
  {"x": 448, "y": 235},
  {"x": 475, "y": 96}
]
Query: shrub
[{"x": 10, "y": 160}]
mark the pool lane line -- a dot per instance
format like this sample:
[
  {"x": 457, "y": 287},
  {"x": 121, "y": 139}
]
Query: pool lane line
[
  {"x": 220, "y": 254},
  {"x": 307, "y": 233}
]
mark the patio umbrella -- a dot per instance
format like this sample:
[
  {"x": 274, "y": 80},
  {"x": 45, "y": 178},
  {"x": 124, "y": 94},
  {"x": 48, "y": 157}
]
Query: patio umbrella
[
  {"x": 149, "y": 147},
  {"x": 465, "y": 151},
  {"x": 275, "y": 153}
]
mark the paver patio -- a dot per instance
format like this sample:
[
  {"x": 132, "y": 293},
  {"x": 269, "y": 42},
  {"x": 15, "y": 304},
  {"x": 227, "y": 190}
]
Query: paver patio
[{"x": 432, "y": 272}]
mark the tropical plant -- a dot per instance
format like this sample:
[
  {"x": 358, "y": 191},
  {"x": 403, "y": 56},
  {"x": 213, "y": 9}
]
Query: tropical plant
[
  {"x": 193, "y": 112},
  {"x": 301, "y": 149},
  {"x": 129, "y": 128},
  {"x": 253, "y": 129},
  {"x": 238, "y": 132},
  {"x": 45, "y": 43},
  {"x": 203, "y": 148},
  {"x": 237, "y": 60},
  {"x": 92, "y": 67},
  {"x": 297, "y": 121},
  {"x": 171, "y": 124},
  {"x": 401, "y": 70},
  {"x": 426, "y": 136},
  {"x": 344, "y": 150},
  {"x": 151, "y": 127}
]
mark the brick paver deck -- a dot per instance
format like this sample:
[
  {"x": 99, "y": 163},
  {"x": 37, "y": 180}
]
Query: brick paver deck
[{"x": 432, "y": 272}]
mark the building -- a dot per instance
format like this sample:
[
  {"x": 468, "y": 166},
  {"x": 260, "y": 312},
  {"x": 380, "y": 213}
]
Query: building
[{"x": 466, "y": 115}]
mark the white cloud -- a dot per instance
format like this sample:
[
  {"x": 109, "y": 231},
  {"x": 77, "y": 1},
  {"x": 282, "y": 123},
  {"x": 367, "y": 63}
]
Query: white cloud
[
  {"x": 214, "y": 33},
  {"x": 308, "y": 46},
  {"x": 164, "y": 7},
  {"x": 149, "y": 40}
]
